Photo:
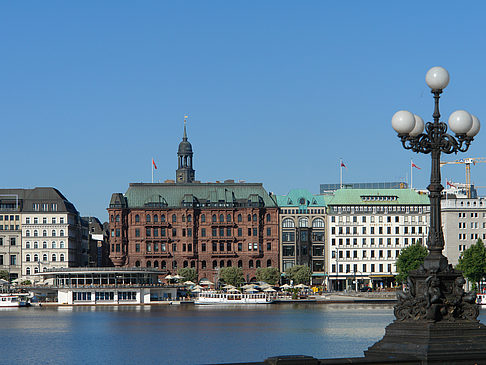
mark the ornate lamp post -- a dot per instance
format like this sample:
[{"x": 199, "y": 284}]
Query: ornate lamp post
[{"x": 435, "y": 319}]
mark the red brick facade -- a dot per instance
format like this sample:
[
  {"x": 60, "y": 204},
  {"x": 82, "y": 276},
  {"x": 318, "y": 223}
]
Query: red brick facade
[{"x": 203, "y": 238}]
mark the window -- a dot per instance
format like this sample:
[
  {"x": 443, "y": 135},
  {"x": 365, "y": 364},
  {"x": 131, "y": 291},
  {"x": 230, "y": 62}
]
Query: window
[
  {"x": 61, "y": 233},
  {"x": 12, "y": 241},
  {"x": 318, "y": 223},
  {"x": 254, "y": 217},
  {"x": 54, "y": 257},
  {"x": 240, "y": 232},
  {"x": 288, "y": 223},
  {"x": 189, "y": 218},
  {"x": 269, "y": 231},
  {"x": 61, "y": 257},
  {"x": 203, "y": 232},
  {"x": 221, "y": 218},
  {"x": 213, "y": 218},
  {"x": 303, "y": 222},
  {"x": 137, "y": 232},
  {"x": 240, "y": 218},
  {"x": 27, "y": 258},
  {"x": 137, "y": 218},
  {"x": 269, "y": 218},
  {"x": 147, "y": 218},
  {"x": 44, "y": 257},
  {"x": 250, "y": 264},
  {"x": 162, "y": 219},
  {"x": 36, "y": 233}
]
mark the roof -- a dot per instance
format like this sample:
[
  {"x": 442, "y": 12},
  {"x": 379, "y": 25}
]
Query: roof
[
  {"x": 297, "y": 196},
  {"x": 143, "y": 195},
  {"x": 40, "y": 195},
  {"x": 378, "y": 197}
]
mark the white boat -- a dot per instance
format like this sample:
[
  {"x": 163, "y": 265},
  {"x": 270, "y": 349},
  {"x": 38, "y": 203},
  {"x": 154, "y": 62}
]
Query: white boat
[
  {"x": 481, "y": 299},
  {"x": 212, "y": 297},
  {"x": 8, "y": 300}
]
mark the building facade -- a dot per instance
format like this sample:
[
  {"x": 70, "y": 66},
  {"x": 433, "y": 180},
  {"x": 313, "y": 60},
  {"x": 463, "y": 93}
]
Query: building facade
[
  {"x": 205, "y": 226},
  {"x": 47, "y": 232},
  {"x": 303, "y": 232},
  {"x": 367, "y": 228}
]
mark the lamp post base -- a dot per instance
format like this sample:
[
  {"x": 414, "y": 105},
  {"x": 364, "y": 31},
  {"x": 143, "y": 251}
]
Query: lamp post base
[{"x": 444, "y": 342}]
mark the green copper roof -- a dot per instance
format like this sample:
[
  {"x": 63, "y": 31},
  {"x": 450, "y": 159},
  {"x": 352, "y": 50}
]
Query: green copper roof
[
  {"x": 300, "y": 198},
  {"x": 378, "y": 197},
  {"x": 174, "y": 195}
]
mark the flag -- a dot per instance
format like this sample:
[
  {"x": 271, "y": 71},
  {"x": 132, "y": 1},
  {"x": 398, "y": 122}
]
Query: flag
[
  {"x": 343, "y": 165},
  {"x": 153, "y": 162},
  {"x": 413, "y": 165},
  {"x": 450, "y": 184}
]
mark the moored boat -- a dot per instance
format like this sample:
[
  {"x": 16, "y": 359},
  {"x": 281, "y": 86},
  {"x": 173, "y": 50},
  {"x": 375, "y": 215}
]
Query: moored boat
[
  {"x": 8, "y": 300},
  {"x": 212, "y": 297},
  {"x": 481, "y": 299}
]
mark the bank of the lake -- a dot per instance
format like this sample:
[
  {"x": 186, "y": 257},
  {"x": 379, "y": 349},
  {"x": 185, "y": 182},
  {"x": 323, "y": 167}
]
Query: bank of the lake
[{"x": 188, "y": 334}]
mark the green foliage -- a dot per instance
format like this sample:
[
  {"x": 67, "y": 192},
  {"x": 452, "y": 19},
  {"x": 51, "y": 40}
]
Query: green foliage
[
  {"x": 188, "y": 273},
  {"x": 300, "y": 274},
  {"x": 410, "y": 258},
  {"x": 270, "y": 275},
  {"x": 26, "y": 282},
  {"x": 231, "y": 275},
  {"x": 473, "y": 263},
  {"x": 4, "y": 275}
]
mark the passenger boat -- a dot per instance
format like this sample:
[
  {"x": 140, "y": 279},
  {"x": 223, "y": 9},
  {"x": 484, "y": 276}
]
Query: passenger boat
[
  {"x": 212, "y": 297},
  {"x": 481, "y": 299},
  {"x": 8, "y": 300}
]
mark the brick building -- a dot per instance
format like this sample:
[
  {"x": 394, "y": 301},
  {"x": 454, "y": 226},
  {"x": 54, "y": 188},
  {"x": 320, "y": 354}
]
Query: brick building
[{"x": 206, "y": 226}]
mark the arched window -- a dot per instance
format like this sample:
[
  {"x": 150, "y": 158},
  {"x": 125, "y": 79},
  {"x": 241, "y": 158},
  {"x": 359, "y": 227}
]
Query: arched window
[
  {"x": 61, "y": 244},
  {"x": 221, "y": 218},
  {"x": 229, "y": 263},
  {"x": 215, "y": 264},
  {"x": 203, "y": 264},
  {"x": 27, "y": 271},
  {"x": 61, "y": 233},
  {"x": 240, "y": 218},
  {"x": 249, "y": 217},
  {"x": 156, "y": 264},
  {"x": 53, "y": 244},
  {"x": 318, "y": 223},
  {"x": 61, "y": 257},
  {"x": 254, "y": 217},
  {"x": 117, "y": 219},
  {"x": 137, "y": 263},
  {"x": 269, "y": 263},
  {"x": 288, "y": 223},
  {"x": 44, "y": 257},
  {"x": 303, "y": 222},
  {"x": 147, "y": 217},
  {"x": 258, "y": 263},
  {"x": 36, "y": 257},
  {"x": 302, "y": 201},
  {"x": 174, "y": 265},
  {"x": 193, "y": 264},
  {"x": 36, "y": 270},
  {"x": 44, "y": 233},
  {"x": 240, "y": 263},
  {"x": 221, "y": 263},
  {"x": 250, "y": 264},
  {"x": 54, "y": 257},
  {"x": 27, "y": 257},
  {"x": 189, "y": 218},
  {"x": 228, "y": 218},
  {"x": 27, "y": 233},
  {"x": 185, "y": 264},
  {"x": 162, "y": 217},
  {"x": 44, "y": 244},
  {"x": 163, "y": 265},
  {"x": 203, "y": 218},
  {"x": 36, "y": 244},
  {"x": 137, "y": 218},
  {"x": 269, "y": 218},
  {"x": 149, "y": 264},
  {"x": 174, "y": 218},
  {"x": 213, "y": 218},
  {"x": 183, "y": 218},
  {"x": 156, "y": 218},
  {"x": 111, "y": 218},
  {"x": 53, "y": 233},
  {"x": 36, "y": 234}
]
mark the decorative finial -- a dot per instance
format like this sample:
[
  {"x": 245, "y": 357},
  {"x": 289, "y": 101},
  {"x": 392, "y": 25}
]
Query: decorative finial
[{"x": 184, "y": 138}]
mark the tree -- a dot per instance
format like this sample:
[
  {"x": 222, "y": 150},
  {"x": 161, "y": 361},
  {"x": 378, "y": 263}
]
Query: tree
[
  {"x": 473, "y": 263},
  {"x": 4, "y": 275},
  {"x": 299, "y": 274},
  {"x": 270, "y": 275},
  {"x": 231, "y": 275},
  {"x": 410, "y": 258},
  {"x": 188, "y": 273}
]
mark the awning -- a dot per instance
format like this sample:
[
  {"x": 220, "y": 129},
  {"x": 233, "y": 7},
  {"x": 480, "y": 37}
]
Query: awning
[
  {"x": 319, "y": 274},
  {"x": 381, "y": 276}
]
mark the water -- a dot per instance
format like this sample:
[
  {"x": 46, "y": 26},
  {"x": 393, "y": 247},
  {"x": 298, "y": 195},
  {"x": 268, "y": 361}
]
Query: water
[{"x": 188, "y": 334}]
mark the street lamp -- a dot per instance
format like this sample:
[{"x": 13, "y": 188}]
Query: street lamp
[{"x": 435, "y": 318}]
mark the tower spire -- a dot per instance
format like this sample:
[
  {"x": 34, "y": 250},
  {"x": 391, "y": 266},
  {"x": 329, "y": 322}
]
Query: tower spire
[
  {"x": 184, "y": 137},
  {"x": 185, "y": 173}
]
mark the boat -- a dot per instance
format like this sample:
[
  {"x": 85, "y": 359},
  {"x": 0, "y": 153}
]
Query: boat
[
  {"x": 213, "y": 297},
  {"x": 8, "y": 300},
  {"x": 481, "y": 299}
]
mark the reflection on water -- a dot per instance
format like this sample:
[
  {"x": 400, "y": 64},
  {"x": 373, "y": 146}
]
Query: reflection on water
[{"x": 188, "y": 334}]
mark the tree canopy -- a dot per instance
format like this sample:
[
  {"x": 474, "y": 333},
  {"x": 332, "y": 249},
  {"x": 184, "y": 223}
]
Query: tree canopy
[
  {"x": 299, "y": 274},
  {"x": 410, "y": 258},
  {"x": 231, "y": 275},
  {"x": 473, "y": 263},
  {"x": 4, "y": 275},
  {"x": 270, "y": 275},
  {"x": 188, "y": 273}
]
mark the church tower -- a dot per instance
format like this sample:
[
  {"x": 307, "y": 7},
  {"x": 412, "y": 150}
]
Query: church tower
[{"x": 185, "y": 173}]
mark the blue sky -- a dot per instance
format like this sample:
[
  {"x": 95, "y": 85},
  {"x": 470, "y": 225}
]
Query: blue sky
[{"x": 276, "y": 91}]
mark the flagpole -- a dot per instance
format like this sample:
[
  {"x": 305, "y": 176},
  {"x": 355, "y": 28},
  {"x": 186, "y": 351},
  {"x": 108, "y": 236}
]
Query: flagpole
[
  {"x": 152, "y": 171},
  {"x": 341, "y": 173},
  {"x": 411, "y": 171}
]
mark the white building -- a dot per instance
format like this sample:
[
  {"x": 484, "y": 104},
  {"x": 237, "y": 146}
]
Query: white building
[{"x": 367, "y": 228}]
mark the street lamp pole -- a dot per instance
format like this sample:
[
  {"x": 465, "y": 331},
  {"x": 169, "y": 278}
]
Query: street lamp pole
[{"x": 435, "y": 318}]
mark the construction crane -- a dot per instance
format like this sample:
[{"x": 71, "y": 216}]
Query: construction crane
[{"x": 467, "y": 162}]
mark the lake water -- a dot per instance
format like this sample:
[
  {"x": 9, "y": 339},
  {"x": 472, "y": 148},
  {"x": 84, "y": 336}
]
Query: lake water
[{"x": 188, "y": 334}]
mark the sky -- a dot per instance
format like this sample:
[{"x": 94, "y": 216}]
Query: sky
[{"x": 276, "y": 92}]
